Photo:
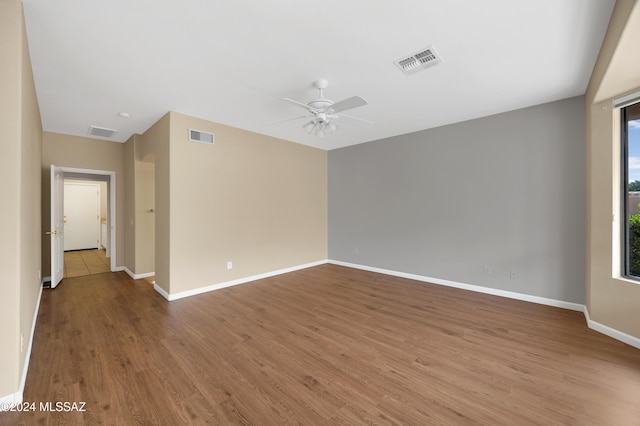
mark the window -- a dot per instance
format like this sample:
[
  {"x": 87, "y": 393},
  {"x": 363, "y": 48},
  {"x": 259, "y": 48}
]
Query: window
[{"x": 630, "y": 132}]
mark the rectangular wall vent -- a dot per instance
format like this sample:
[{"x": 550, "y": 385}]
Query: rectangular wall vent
[
  {"x": 101, "y": 132},
  {"x": 418, "y": 61},
  {"x": 202, "y": 137}
]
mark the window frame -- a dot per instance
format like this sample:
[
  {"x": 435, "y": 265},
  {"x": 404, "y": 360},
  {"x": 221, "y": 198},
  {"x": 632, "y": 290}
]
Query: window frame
[
  {"x": 624, "y": 141},
  {"x": 625, "y": 249}
]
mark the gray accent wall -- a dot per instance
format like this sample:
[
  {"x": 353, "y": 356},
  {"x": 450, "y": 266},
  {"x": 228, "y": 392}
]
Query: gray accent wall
[{"x": 497, "y": 202}]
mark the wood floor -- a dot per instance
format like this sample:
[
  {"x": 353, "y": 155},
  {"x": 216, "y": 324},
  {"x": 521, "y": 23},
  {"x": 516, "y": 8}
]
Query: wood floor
[
  {"x": 325, "y": 345},
  {"x": 79, "y": 263}
]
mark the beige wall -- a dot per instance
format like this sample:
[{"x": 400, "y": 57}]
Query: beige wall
[
  {"x": 10, "y": 129},
  {"x": 21, "y": 136},
  {"x": 30, "y": 205},
  {"x": 84, "y": 153},
  {"x": 257, "y": 201},
  {"x": 145, "y": 217},
  {"x": 611, "y": 300},
  {"x": 104, "y": 203},
  {"x": 154, "y": 148},
  {"x": 139, "y": 200},
  {"x": 129, "y": 204}
]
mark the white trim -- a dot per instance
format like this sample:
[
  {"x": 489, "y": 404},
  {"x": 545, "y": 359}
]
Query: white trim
[
  {"x": 479, "y": 289},
  {"x": 199, "y": 290},
  {"x": 16, "y": 398},
  {"x": 601, "y": 328},
  {"x": 627, "y": 100},
  {"x": 23, "y": 379},
  {"x": 10, "y": 400},
  {"x": 137, "y": 276},
  {"x": 161, "y": 290},
  {"x": 618, "y": 335},
  {"x": 611, "y": 332}
]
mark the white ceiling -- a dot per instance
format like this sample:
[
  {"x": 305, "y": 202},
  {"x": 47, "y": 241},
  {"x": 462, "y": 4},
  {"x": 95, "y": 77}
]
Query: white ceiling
[{"x": 231, "y": 61}]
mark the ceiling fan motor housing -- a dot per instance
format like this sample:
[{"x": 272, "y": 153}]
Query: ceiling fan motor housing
[
  {"x": 321, "y": 117},
  {"x": 320, "y": 104}
]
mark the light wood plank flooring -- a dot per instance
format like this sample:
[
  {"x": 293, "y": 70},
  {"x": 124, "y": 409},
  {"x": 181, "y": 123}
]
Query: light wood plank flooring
[
  {"x": 325, "y": 345},
  {"x": 79, "y": 263}
]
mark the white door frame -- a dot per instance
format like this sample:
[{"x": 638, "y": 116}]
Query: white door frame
[{"x": 111, "y": 219}]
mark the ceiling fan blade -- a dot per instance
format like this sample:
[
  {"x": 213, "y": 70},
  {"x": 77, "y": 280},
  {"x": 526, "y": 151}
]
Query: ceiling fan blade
[
  {"x": 356, "y": 119},
  {"x": 292, "y": 119},
  {"x": 349, "y": 103},
  {"x": 300, "y": 104}
]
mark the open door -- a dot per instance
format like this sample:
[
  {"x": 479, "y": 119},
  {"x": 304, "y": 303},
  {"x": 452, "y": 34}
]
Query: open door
[{"x": 57, "y": 225}]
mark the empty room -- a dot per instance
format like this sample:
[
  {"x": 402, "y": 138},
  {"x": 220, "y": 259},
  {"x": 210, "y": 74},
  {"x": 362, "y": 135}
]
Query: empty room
[{"x": 267, "y": 213}]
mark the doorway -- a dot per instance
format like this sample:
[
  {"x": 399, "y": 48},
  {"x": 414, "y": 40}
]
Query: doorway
[
  {"x": 85, "y": 223},
  {"x": 95, "y": 253},
  {"x": 82, "y": 214}
]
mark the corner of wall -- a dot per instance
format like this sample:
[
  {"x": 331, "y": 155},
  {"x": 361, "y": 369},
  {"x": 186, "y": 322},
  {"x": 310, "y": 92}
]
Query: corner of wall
[{"x": 613, "y": 304}]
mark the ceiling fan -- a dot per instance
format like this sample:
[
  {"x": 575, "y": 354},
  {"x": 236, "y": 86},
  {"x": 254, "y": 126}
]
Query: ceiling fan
[{"x": 323, "y": 112}]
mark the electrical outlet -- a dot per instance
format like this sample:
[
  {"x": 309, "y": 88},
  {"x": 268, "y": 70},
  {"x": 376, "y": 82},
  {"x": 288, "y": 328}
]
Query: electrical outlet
[
  {"x": 356, "y": 252},
  {"x": 486, "y": 270},
  {"x": 229, "y": 265},
  {"x": 513, "y": 275}
]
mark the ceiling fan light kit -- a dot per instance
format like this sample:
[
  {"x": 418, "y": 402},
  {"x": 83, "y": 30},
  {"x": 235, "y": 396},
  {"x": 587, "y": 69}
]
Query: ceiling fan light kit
[
  {"x": 320, "y": 128},
  {"x": 323, "y": 111}
]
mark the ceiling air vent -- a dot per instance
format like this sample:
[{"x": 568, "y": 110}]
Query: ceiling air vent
[
  {"x": 101, "y": 132},
  {"x": 418, "y": 61},
  {"x": 202, "y": 137}
]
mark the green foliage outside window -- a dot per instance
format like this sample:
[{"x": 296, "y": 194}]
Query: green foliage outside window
[{"x": 634, "y": 245}]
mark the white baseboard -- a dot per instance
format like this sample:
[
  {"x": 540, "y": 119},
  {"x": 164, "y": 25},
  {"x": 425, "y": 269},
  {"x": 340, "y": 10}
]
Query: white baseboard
[
  {"x": 145, "y": 275},
  {"x": 601, "y": 328},
  {"x": 23, "y": 378},
  {"x": 137, "y": 276},
  {"x": 477, "y": 288},
  {"x": 200, "y": 290},
  {"x": 10, "y": 400},
  {"x": 611, "y": 332},
  {"x": 160, "y": 290},
  {"x": 16, "y": 398},
  {"x": 618, "y": 335}
]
